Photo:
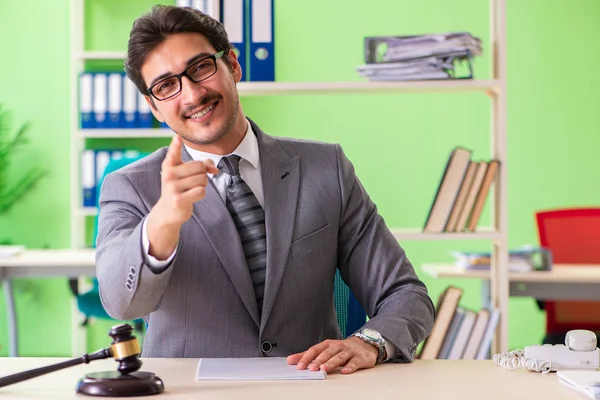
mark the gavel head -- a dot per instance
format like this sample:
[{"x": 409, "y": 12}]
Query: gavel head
[{"x": 125, "y": 348}]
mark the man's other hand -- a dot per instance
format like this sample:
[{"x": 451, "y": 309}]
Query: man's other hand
[{"x": 350, "y": 354}]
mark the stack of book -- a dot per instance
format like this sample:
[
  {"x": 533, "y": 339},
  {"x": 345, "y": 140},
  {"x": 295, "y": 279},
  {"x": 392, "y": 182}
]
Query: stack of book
[
  {"x": 459, "y": 333},
  {"x": 420, "y": 57},
  {"x": 461, "y": 193},
  {"x": 520, "y": 260}
]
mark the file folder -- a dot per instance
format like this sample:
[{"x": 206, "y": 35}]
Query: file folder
[
  {"x": 100, "y": 102},
  {"x": 213, "y": 8},
  {"x": 130, "y": 95},
  {"x": 88, "y": 178},
  {"x": 199, "y": 5},
  {"x": 115, "y": 100},
  {"x": 145, "y": 117},
  {"x": 102, "y": 161},
  {"x": 86, "y": 99},
  {"x": 233, "y": 21},
  {"x": 262, "y": 49}
]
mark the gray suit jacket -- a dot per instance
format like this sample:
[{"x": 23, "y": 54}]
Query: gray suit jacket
[{"x": 318, "y": 218}]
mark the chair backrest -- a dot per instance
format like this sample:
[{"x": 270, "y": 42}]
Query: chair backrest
[
  {"x": 350, "y": 314},
  {"x": 112, "y": 166},
  {"x": 573, "y": 236}
]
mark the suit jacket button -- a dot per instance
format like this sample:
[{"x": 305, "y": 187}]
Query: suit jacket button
[{"x": 266, "y": 346}]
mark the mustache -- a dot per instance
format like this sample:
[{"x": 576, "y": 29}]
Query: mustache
[{"x": 204, "y": 101}]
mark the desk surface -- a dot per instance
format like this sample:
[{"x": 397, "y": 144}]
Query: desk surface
[
  {"x": 564, "y": 273},
  {"x": 431, "y": 379},
  {"x": 50, "y": 257},
  {"x": 50, "y": 262}
]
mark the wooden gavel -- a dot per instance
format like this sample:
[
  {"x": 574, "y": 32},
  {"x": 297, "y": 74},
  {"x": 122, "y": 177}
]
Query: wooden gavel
[{"x": 125, "y": 349}]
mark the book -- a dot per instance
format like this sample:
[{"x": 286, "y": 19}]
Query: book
[
  {"x": 448, "y": 189},
  {"x": 258, "y": 368},
  {"x": 482, "y": 195},
  {"x": 445, "y": 310}
]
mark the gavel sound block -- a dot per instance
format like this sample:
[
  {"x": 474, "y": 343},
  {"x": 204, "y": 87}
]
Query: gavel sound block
[{"x": 126, "y": 381}]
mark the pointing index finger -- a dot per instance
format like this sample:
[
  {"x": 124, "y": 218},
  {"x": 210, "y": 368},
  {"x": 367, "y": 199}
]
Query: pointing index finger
[{"x": 174, "y": 153}]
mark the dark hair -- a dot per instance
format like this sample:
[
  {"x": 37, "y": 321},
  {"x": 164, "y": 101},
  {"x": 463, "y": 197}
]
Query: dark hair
[{"x": 153, "y": 28}]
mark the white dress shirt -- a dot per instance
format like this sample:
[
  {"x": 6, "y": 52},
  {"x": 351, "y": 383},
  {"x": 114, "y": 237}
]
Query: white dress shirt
[{"x": 250, "y": 173}]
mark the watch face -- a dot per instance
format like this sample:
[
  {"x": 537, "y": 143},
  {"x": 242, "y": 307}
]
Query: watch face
[{"x": 372, "y": 334}]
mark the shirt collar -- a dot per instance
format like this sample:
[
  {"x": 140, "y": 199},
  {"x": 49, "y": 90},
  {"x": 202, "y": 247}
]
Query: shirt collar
[{"x": 247, "y": 150}]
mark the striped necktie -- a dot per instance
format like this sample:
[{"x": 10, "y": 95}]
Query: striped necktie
[{"x": 249, "y": 219}]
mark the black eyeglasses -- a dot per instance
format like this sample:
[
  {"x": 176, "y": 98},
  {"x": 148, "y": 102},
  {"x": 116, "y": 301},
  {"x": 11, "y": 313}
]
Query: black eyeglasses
[{"x": 197, "y": 72}]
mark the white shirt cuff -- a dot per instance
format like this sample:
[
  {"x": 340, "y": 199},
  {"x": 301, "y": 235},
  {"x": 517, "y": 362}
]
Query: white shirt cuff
[
  {"x": 150, "y": 260},
  {"x": 390, "y": 350}
]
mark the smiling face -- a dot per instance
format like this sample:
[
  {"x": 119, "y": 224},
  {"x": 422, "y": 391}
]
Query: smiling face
[{"x": 207, "y": 115}]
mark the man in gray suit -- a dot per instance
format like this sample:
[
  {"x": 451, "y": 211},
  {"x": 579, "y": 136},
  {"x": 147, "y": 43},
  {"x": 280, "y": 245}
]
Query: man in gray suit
[{"x": 239, "y": 260}]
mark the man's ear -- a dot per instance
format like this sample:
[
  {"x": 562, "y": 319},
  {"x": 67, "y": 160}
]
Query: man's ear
[
  {"x": 236, "y": 68},
  {"x": 153, "y": 108}
]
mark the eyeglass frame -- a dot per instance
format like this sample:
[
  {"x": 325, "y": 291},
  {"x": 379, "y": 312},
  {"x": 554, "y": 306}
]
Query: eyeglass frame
[{"x": 214, "y": 57}]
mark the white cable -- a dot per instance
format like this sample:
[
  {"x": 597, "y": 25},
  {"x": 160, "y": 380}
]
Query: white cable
[{"x": 515, "y": 359}]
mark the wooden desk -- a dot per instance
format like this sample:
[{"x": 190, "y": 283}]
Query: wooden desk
[
  {"x": 563, "y": 282},
  {"x": 39, "y": 264},
  {"x": 435, "y": 379}
]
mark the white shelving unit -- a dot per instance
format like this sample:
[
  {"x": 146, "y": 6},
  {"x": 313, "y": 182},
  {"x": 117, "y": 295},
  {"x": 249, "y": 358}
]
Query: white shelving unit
[{"x": 495, "y": 88}]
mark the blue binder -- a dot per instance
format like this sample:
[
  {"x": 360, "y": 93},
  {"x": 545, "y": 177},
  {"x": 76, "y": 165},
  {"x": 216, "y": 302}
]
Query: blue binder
[
  {"x": 130, "y": 107},
  {"x": 86, "y": 99},
  {"x": 115, "y": 100},
  {"x": 145, "y": 117},
  {"x": 88, "y": 178},
  {"x": 100, "y": 102},
  {"x": 234, "y": 16},
  {"x": 262, "y": 43}
]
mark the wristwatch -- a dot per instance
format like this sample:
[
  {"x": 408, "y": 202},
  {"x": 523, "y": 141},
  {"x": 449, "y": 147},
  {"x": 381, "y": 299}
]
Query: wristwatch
[{"x": 374, "y": 338}]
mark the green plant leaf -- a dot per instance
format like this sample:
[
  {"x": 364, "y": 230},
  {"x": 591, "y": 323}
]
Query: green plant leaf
[
  {"x": 9, "y": 197},
  {"x": 9, "y": 143}
]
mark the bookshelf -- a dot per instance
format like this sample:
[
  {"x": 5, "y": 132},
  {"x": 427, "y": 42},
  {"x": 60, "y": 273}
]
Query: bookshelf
[{"x": 494, "y": 89}]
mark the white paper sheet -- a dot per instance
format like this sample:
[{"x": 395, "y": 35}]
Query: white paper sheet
[{"x": 268, "y": 368}]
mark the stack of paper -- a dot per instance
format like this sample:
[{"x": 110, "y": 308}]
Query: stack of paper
[
  {"x": 10, "y": 250},
  {"x": 268, "y": 368},
  {"x": 433, "y": 56},
  {"x": 586, "y": 382},
  {"x": 525, "y": 259}
]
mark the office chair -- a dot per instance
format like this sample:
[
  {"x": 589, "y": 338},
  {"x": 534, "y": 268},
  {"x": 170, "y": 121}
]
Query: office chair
[
  {"x": 350, "y": 314},
  {"x": 573, "y": 237},
  {"x": 89, "y": 303}
]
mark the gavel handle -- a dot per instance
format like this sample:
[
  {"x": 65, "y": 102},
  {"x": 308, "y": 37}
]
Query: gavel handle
[{"x": 22, "y": 376}]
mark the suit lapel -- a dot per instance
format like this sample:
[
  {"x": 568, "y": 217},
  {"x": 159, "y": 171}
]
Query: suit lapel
[
  {"x": 214, "y": 219},
  {"x": 281, "y": 181}
]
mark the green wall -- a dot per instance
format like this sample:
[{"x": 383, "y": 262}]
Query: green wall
[{"x": 398, "y": 142}]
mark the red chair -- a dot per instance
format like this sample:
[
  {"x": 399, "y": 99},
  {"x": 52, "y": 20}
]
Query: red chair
[{"x": 573, "y": 236}]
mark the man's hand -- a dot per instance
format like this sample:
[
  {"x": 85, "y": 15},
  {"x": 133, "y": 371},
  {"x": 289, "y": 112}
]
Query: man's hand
[
  {"x": 352, "y": 354},
  {"x": 182, "y": 184}
]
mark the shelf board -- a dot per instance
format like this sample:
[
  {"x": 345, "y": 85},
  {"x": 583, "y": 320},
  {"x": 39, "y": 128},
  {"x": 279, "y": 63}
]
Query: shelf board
[
  {"x": 457, "y": 85},
  {"x": 278, "y": 88},
  {"x": 418, "y": 234},
  {"x": 100, "y": 55},
  {"x": 125, "y": 133},
  {"x": 87, "y": 211}
]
